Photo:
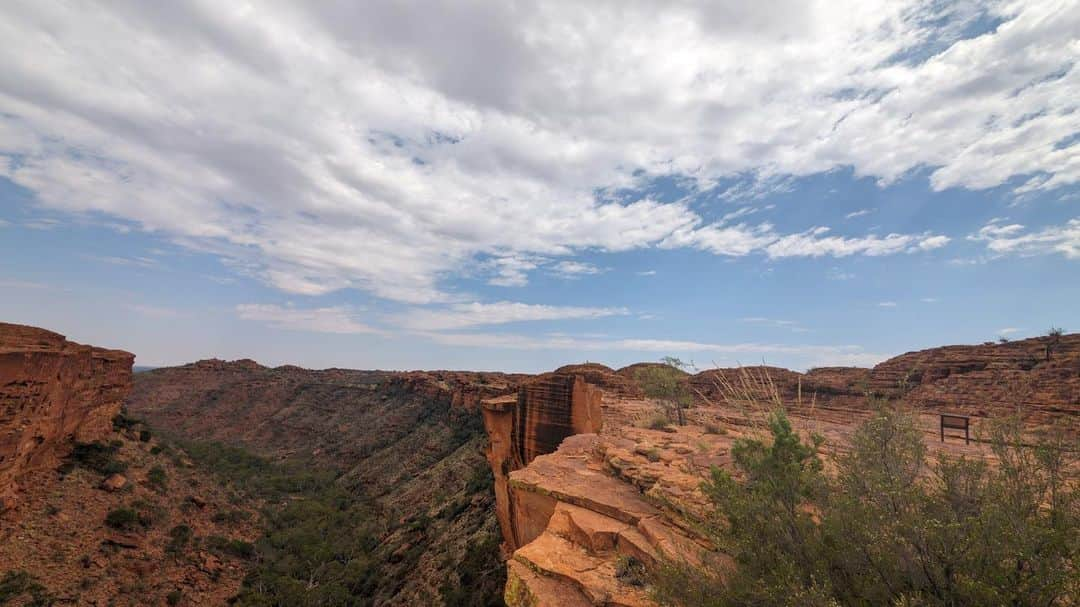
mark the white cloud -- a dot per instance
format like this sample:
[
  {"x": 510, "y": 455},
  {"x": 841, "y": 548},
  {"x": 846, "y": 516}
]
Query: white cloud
[
  {"x": 929, "y": 300},
  {"x": 887, "y": 304},
  {"x": 336, "y": 319},
  {"x": 647, "y": 273},
  {"x": 512, "y": 271},
  {"x": 790, "y": 325},
  {"x": 575, "y": 269},
  {"x": 817, "y": 354},
  {"x": 4, "y": 223},
  {"x": 1009, "y": 330},
  {"x": 345, "y": 145},
  {"x": 815, "y": 243},
  {"x": 858, "y": 213},
  {"x": 1011, "y": 239},
  {"x": 459, "y": 316}
]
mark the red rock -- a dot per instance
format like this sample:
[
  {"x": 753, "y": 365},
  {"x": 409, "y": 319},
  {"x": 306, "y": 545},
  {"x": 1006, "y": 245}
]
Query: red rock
[
  {"x": 545, "y": 411},
  {"x": 114, "y": 482},
  {"x": 53, "y": 392}
]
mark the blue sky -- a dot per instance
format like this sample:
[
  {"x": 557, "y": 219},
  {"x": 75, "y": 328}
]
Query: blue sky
[{"x": 337, "y": 186}]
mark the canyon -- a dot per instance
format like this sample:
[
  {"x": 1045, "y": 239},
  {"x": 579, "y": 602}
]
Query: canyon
[{"x": 535, "y": 490}]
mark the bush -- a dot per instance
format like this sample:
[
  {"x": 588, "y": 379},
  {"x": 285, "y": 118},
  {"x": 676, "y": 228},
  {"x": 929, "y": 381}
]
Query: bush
[
  {"x": 145, "y": 435},
  {"x": 237, "y": 548},
  {"x": 658, "y": 422},
  {"x": 179, "y": 537},
  {"x": 174, "y": 597},
  {"x": 888, "y": 529},
  {"x": 158, "y": 478},
  {"x": 22, "y": 587},
  {"x": 99, "y": 457},
  {"x": 124, "y": 519}
]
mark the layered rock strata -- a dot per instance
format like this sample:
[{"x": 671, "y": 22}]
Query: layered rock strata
[
  {"x": 531, "y": 423},
  {"x": 53, "y": 393}
]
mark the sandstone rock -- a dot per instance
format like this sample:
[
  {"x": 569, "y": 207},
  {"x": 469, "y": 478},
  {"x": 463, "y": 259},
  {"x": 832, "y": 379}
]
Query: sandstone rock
[
  {"x": 114, "y": 482},
  {"x": 53, "y": 392},
  {"x": 545, "y": 411}
]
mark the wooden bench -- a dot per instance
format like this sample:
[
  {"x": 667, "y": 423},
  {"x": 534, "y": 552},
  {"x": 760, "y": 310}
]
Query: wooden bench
[{"x": 956, "y": 422}]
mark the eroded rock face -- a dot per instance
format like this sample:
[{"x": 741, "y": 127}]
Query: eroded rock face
[
  {"x": 535, "y": 422},
  {"x": 53, "y": 392}
]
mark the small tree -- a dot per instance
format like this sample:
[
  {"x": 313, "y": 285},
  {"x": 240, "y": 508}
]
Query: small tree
[
  {"x": 667, "y": 384},
  {"x": 1053, "y": 340}
]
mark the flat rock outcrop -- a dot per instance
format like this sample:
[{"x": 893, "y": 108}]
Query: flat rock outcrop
[{"x": 53, "y": 392}]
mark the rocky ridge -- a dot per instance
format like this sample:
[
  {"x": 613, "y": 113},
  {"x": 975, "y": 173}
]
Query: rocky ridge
[
  {"x": 53, "y": 392},
  {"x": 578, "y": 518}
]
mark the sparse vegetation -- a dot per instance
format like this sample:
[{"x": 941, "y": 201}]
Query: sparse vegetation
[
  {"x": 666, "y": 383},
  {"x": 124, "y": 519},
  {"x": 98, "y": 457},
  {"x": 1053, "y": 340},
  {"x": 888, "y": 528},
  {"x": 158, "y": 478},
  {"x": 23, "y": 589}
]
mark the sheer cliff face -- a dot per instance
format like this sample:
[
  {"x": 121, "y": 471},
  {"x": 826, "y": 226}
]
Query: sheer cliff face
[
  {"x": 534, "y": 422},
  {"x": 53, "y": 392}
]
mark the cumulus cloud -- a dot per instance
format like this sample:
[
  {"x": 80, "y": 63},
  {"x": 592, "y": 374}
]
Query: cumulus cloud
[
  {"x": 1015, "y": 239},
  {"x": 459, "y": 316},
  {"x": 387, "y": 146},
  {"x": 335, "y": 319}
]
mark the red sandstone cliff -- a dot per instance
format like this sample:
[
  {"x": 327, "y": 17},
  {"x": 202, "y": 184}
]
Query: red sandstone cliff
[
  {"x": 571, "y": 512},
  {"x": 53, "y": 392}
]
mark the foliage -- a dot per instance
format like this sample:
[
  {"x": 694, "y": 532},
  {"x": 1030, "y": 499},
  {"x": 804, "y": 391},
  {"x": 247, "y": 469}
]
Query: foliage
[
  {"x": 174, "y": 597},
  {"x": 22, "y": 587},
  {"x": 124, "y": 519},
  {"x": 98, "y": 457},
  {"x": 667, "y": 383},
  {"x": 158, "y": 478},
  {"x": 888, "y": 529},
  {"x": 179, "y": 537},
  {"x": 476, "y": 585},
  {"x": 230, "y": 547}
]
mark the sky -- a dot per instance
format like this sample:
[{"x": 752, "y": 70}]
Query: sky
[{"x": 516, "y": 186}]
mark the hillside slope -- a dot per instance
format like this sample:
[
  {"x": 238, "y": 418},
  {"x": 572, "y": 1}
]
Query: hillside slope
[{"x": 411, "y": 442}]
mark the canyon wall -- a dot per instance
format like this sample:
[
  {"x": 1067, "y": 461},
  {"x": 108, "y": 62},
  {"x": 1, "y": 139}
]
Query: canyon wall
[
  {"x": 531, "y": 423},
  {"x": 53, "y": 393},
  {"x": 411, "y": 443}
]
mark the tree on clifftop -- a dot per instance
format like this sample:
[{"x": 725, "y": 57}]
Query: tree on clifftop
[{"x": 667, "y": 384}]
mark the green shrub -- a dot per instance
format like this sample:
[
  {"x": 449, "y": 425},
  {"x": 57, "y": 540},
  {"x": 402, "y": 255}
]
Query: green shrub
[
  {"x": 888, "y": 529},
  {"x": 158, "y": 478},
  {"x": 99, "y": 457},
  {"x": 22, "y": 587},
  {"x": 237, "y": 548},
  {"x": 145, "y": 435},
  {"x": 124, "y": 519},
  {"x": 658, "y": 422},
  {"x": 174, "y": 597},
  {"x": 179, "y": 537}
]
